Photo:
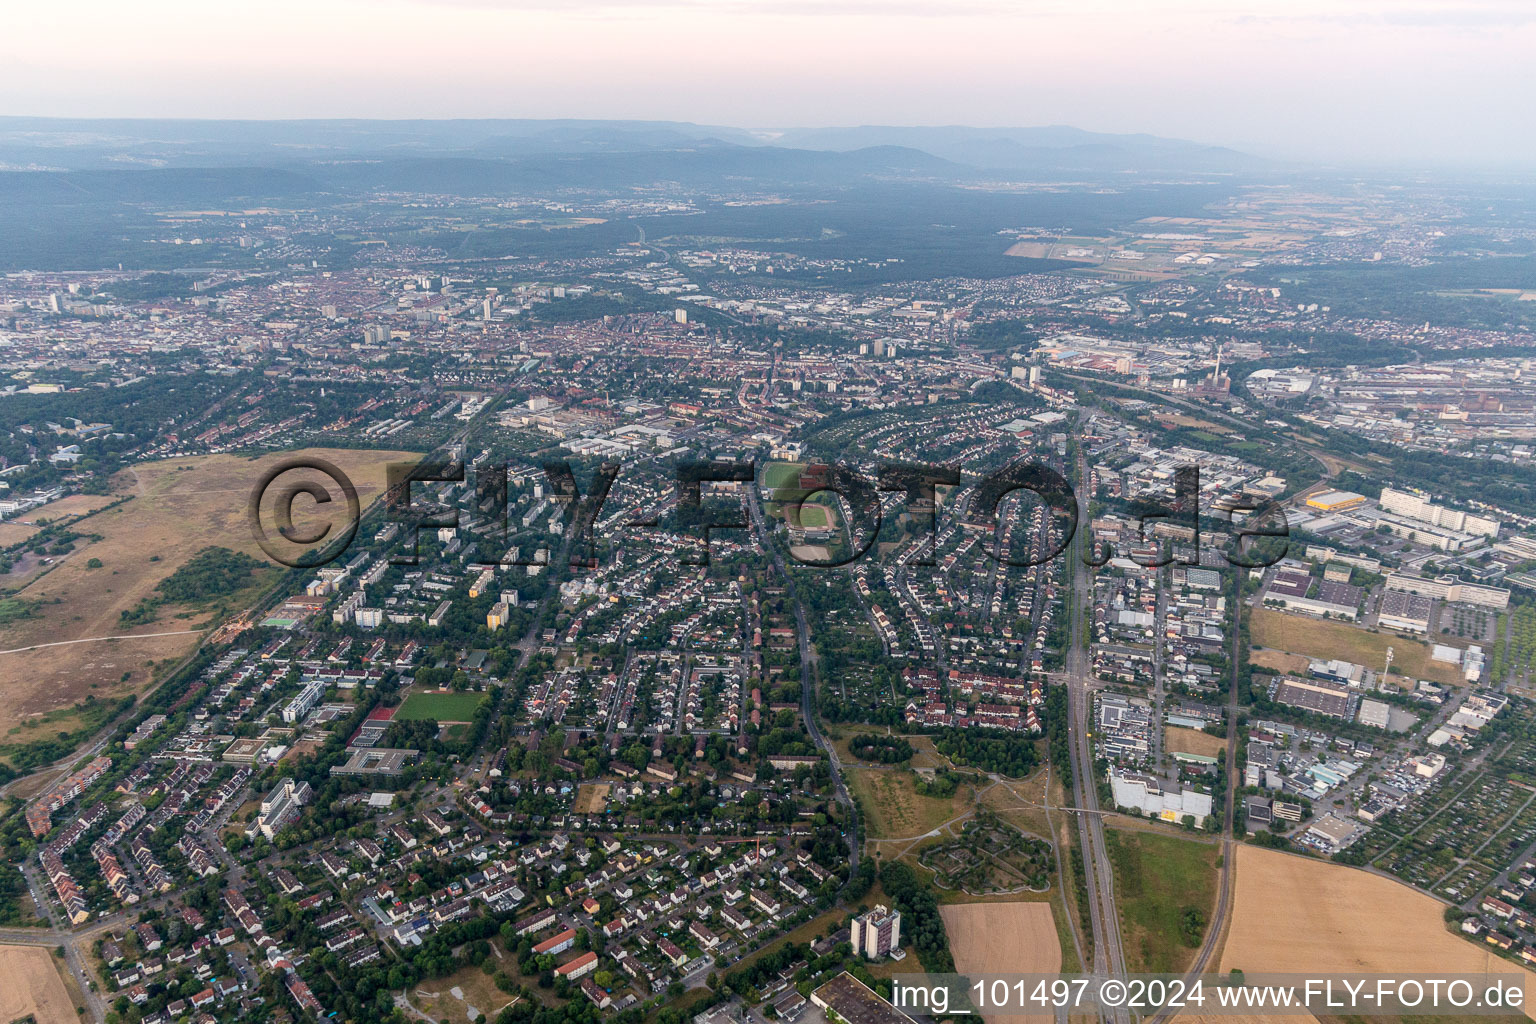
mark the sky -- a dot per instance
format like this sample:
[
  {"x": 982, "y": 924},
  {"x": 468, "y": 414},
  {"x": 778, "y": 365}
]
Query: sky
[{"x": 1389, "y": 82}]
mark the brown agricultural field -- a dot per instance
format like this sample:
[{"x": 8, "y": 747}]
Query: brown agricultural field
[
  {"x": 180, "y": 506},
  {"x": 30, "y": 986},
  {"x": 1317, "y": 638},
  {"x": 1295, "y": 914},
  {"x": 1193, "y": 741},
  {"x": 1004, "y": 938}
]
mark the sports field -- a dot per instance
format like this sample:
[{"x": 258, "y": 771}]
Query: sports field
[
  {"x": 439, "y": 707},
  {"x": 781, "y": 474},
  {"x": 813, "y": 516},
  {"x": 467, "y": 994},
  {"x": 1003, "y": 938}
]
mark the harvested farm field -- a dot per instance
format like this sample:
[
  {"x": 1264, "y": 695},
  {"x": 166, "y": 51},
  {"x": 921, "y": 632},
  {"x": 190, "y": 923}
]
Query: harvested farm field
[
  {"x": 1004, "y": 938},
  {"x": 1295, "y": 914}
]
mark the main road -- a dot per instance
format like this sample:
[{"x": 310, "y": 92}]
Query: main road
[
  {"x": 1098, "y": 873},
  {"x": 1108, "y": 952}
]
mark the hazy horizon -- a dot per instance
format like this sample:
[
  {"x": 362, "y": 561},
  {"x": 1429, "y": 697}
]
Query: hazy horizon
[{"x": 1373, "y": 81}]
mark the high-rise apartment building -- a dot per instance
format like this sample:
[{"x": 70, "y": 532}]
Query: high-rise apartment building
[{"x": 876, "y": 933}]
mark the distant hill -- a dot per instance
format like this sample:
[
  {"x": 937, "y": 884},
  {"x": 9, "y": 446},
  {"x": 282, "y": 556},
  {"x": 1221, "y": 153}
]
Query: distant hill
[
  {"x": 1057, "y": 147},
  {"x": 695, "y": 151},
  {"x": 75, "y": 144},
  {"x": 704, "y": 164}
]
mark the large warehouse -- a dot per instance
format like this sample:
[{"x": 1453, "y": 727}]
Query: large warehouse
[{"x": 1318, "y": 697}]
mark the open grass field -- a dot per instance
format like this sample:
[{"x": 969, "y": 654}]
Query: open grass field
[
  {"x": 591, "y": 797},
  {"x": 1165, "y": 887},
  {"x": 895, "y": 809},
  {"x": 65, "y": 509},
  {"x": 924, "y": 754},
  {"x": 1316, "y": 638},
  {"x": 1298, "y": 914},
  {"x": 1278, "y": 661},
  {"x": 30, "y": 986},
  {"x": 180, "y": 506},
  {"x": 781, "y": 474},
  {"x": 467, "y": 990},
  {"x": 1003, "y": 938},
  {"x": 813, "y": 516},
  {"x": 440, "y": 707},
  {"x": 1173, "y": 419},
  {"x": 12, "y": 532},
  {"x": 1021, "y": 802},
  {"x": 1193, "y": 741}
]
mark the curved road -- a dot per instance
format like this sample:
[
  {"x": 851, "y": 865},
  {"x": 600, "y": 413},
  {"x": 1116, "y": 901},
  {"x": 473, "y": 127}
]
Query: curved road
[{"x": 807, "y": 675}]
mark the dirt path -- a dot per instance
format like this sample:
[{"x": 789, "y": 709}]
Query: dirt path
[{"x": 98, "y": 639}]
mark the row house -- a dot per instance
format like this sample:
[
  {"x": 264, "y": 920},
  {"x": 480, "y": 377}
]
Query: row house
[
  {"x": 113, "y": 874},
  {"x": 198, "y": 856},
  {"x": 64, "y": 887},
  {"x": 155, "y": 874}
]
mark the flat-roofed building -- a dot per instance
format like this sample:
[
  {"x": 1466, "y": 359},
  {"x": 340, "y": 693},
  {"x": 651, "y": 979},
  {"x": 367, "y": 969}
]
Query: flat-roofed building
[
  {"x": 1336, "y": 501},
  {"x": 281, "y": 807},
  {"x": 1449, "y": 588},
  {"x": 1375, "y": 713},
  {"x": 856, "y": 1003},
  {"x": 1405, "y": 612},
  {"x": 375, "y": 761},
  {"x": 1315, "y": 696},
  {"x": 1417, "y": 507}
]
